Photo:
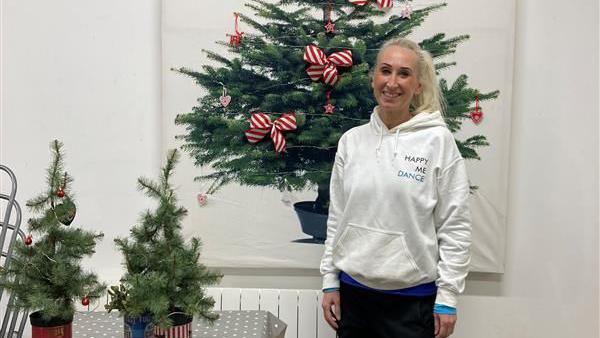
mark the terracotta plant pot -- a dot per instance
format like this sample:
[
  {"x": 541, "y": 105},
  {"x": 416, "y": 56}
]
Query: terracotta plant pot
[
  {"x": 55, "y": 328},
  {"x": 182, "y": 327},
  {"x": 138, "y": 326}
]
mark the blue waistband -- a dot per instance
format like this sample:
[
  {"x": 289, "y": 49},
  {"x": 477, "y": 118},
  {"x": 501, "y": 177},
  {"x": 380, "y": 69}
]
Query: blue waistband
[{"x": 421, "y": 290}]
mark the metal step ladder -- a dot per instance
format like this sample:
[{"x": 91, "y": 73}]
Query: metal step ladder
[{"x": 14, "y": 320}]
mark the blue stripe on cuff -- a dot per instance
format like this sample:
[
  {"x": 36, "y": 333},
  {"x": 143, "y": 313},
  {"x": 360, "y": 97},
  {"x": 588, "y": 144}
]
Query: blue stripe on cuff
[
  {"x": 330, "y": 290},
  {"x": 443, "y": 309}
]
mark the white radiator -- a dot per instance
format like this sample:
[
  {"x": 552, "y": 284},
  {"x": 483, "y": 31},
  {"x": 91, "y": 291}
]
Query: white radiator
[{"x": 299, "y": 309}]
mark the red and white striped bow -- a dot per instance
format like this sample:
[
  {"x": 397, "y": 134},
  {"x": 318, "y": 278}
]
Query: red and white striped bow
[
  {"x": 381, "y": 3},
  {"x": 325, "y": 67},
  {"x": 261, "y": 125}
]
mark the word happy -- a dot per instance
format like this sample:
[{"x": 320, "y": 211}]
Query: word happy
[{"x": 417, "y": 160}]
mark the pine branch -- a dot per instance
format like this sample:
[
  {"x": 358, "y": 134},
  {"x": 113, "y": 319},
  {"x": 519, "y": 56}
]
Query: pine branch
[
  {"x": 255, "y": 24},
  {"x": 172, "y": 159},
  {"x": 439, "y": 66},
  {"x": 150, "y": 188},
  {"x": 271, "y": 11},
  {"x": 476, "y": 141},
  {"x": 56, "y": 169},
  {"x": 468, "y": 146},
  {"x": 38, "y": 203},
  {"x": 46, "y": 221},
  {"x": 438, "y": 47},
  {"x": 217, "y": 57}
]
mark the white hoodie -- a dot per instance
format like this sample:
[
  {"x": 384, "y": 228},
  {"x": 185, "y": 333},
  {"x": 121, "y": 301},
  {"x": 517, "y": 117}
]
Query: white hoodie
[{"x": 398, "y": 215}]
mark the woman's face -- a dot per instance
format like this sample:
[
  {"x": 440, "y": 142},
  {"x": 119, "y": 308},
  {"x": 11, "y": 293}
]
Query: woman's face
[{"x": 395, "y": 80}]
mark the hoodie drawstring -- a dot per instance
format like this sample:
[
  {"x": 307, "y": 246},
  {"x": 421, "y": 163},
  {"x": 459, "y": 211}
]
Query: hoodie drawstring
[
  {"x": 396, "y": 143},
  {"x": 378, "y": 149}
]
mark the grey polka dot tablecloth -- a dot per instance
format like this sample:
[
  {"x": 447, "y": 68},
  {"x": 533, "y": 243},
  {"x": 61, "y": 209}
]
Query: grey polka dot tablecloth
[{"x": 231, "y": 324}]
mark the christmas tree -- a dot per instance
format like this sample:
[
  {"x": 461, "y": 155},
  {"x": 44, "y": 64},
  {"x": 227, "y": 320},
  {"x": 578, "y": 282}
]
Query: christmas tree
[
  {"x": 281, "y": 69},
  {"x": 163, "y": 273},
  {"x": 45, "y": 273}
]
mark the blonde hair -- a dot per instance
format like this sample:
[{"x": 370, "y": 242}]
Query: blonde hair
[{"x": 430, "y": 99}]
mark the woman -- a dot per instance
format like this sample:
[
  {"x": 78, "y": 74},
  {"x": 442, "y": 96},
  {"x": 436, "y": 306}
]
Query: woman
[{"x": 399, "y": 232}]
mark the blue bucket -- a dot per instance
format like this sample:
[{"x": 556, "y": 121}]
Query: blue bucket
[{"x": 138, "y": 327}]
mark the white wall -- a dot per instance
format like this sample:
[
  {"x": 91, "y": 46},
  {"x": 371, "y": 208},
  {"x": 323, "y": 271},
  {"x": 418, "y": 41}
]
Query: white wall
[
  {"x": 88, "y": 72},
  {"x": 550, "y": 286}
]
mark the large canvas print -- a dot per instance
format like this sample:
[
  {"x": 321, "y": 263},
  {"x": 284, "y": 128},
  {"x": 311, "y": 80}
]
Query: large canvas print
[{"x": 257, "y": 107}]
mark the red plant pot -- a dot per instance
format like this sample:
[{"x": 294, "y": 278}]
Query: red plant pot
[{"x": 50, "y": 329}]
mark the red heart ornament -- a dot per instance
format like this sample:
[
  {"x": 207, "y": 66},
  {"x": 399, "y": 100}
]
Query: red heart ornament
[
  {"x": 202, "y": 199},
  {"x": 225, "y": 100},
  {"x": 476, "y": 116}
]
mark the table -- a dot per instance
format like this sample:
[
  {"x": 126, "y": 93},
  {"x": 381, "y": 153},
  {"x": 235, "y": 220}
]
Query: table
[{"x": 231, "y": 324}]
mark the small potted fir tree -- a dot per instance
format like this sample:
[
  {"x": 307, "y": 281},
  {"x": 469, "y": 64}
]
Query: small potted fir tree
[
  {"x": 45, "y": 273},
  {"x": 163, "y": 285}
]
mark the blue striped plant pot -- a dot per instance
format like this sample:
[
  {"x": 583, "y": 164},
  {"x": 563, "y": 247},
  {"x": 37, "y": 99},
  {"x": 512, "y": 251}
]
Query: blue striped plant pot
[{"x": 138, "y": 326}]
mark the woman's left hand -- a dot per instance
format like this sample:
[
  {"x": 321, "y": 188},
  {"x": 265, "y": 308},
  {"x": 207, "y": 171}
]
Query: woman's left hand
[{"x": 444, "y": 325}]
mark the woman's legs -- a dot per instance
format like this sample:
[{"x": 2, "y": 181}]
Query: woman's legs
[
  {"x": 371, "y": 314},
  {"x": 354, "y": 322},
  {"x": 404, "y": 316}
]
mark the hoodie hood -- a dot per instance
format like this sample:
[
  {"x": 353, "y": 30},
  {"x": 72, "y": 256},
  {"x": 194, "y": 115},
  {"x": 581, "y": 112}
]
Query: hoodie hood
[
  {"x": 422, "y": 120},
  {"x": 419, "y": 121}
]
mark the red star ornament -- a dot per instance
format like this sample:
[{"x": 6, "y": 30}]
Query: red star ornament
[
  {"x": 330, "y": 27},
  {"x": 329, "y": 108}
]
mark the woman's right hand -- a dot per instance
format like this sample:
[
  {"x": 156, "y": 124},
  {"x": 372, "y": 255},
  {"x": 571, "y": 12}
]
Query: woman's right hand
[{"x": 331, "y": 308}]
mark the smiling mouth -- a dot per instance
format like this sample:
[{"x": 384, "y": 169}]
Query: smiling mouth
[{"x": 390, "y": 95}]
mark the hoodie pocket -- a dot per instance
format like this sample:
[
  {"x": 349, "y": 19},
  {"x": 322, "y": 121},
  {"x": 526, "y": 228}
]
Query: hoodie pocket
[{"x": 379, "y": 256}]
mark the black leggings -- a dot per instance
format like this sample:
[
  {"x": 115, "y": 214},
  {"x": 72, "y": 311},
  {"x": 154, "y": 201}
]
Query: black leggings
[{"x": 372, "y": 314}]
